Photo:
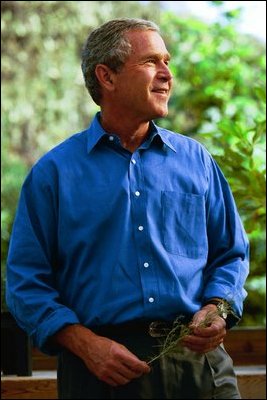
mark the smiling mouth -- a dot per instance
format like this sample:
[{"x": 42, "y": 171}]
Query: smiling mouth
[{"x": 164, "y": 92}]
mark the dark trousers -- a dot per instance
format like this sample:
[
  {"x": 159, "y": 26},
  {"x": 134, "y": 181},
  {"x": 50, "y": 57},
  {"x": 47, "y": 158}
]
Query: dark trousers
[{"x": 183, "y": 375}]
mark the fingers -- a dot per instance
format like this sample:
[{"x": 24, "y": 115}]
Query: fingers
[
  {"x": 205, "y": 338},
  {"x": 205, "y": 319},
  {"x": 133, "y": 364},
  {"x": 120, "y": 366},
  {"x": 131, "y": 371},
  {"x": 203, "y": 344},
  {"x": 217, "y": 328},
  {"x": 120, "y": 374},
  {"x": 115, "y": 380}
]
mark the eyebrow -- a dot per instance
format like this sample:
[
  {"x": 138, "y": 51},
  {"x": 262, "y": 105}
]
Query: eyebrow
[{"x": 158, "y": 56}]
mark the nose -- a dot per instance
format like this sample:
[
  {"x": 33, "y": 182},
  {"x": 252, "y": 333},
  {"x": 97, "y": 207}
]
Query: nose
[{"x": 164, "y": 72}]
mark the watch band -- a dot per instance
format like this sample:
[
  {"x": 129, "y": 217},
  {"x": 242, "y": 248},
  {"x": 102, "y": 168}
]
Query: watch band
[
  {"x": 232, "y": 318},
  {"x": 223, "y": 307}
]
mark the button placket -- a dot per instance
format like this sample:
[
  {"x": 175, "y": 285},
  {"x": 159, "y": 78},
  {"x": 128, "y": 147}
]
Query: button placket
[{"x": 141, "y": 233}]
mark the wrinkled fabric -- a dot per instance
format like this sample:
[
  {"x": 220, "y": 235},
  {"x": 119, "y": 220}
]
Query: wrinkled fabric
[{"x": 105, "y": 236}]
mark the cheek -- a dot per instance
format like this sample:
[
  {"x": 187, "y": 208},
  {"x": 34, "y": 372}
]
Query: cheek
[{"x": 135, "y": 88}]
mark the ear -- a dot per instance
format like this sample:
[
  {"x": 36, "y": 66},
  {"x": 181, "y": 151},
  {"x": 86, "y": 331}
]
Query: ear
[{"x": 105, "y": 76}]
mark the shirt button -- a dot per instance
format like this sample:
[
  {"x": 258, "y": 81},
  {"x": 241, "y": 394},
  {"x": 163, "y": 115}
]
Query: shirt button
[
  {"x": 140, "y": 228},
  {"x": 146, "y": 264},
  {"x": 137, "y": 193},
  {"x": 133, "y": 161},
  {"x": 111, "y": 138},
  {"x": 151, "y": 299}
]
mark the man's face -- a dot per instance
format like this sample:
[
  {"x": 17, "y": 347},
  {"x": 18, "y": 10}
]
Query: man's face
[{"x": 143, "y": 85}]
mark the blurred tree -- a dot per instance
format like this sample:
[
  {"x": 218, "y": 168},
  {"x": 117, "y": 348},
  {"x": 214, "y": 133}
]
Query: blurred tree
[{"x": 218, "y": 98}]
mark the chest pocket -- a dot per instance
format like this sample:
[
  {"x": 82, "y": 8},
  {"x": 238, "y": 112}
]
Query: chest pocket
[{"x": 184, "y": 224}]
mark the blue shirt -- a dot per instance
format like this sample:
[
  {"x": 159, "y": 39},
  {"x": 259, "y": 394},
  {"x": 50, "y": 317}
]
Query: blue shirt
[{"x": 104, "y": 236}]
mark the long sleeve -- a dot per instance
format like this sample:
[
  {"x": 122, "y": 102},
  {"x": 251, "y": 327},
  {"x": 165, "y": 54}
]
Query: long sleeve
[
  {"x": 228, "y": 259},
  {"x": 32, "y": 295}
]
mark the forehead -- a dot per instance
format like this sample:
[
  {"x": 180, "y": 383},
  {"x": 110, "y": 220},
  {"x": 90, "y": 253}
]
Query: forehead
[{"x": 146, "y": 42}]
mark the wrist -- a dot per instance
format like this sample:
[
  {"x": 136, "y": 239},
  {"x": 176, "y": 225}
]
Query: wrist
[
  {"x": 74, "y": 338},
  {"x": 224, "y": 310},
  {"x": 209, "y": 307}
]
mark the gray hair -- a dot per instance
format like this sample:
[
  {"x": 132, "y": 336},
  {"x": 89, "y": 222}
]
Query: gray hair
[{"x": 108, "y": 45}]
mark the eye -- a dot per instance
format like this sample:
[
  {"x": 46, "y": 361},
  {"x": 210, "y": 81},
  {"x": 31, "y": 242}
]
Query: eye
[{"x": 151, "y": 60}]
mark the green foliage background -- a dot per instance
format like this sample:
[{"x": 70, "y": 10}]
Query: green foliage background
[{"x": 218, "y": 98}]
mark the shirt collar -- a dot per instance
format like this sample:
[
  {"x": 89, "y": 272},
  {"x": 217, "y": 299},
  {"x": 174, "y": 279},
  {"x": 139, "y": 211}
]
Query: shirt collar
[
  {"x": 164, "y": 136},
  {"x": 96, "y": 132}
]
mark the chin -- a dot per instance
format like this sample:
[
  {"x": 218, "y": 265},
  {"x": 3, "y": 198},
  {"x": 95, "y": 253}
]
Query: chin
[
  {"x": 157, "y": 112},
  {"x": 162, "y": 113}
]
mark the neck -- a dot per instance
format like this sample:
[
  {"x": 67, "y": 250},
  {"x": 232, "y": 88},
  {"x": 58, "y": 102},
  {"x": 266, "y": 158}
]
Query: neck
[{"x": 131, "y": 133}]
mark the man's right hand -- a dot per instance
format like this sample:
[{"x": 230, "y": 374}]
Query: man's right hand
[{"x": 110, "y": 361}]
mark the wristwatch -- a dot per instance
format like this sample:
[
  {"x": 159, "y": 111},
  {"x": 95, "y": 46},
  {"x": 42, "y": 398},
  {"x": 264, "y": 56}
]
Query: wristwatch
[
  {"x": 225, "y": 311},
  {"x": 223, "y": 307}
]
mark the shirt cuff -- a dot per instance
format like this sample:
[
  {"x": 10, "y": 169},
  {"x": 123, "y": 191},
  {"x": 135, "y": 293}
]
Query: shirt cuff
[{"x": 56, "y": 321}]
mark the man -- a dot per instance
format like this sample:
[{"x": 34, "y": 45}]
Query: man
[{"x": 122, "y": 225}]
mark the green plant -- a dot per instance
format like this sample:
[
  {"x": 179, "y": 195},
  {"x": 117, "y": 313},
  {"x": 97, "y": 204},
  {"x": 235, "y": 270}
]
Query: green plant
[{"x": 174, "y": 338}]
